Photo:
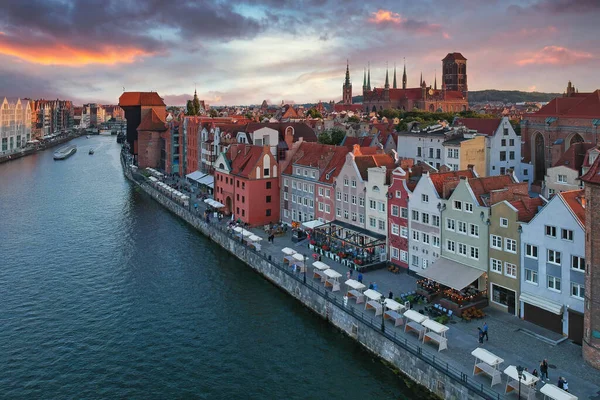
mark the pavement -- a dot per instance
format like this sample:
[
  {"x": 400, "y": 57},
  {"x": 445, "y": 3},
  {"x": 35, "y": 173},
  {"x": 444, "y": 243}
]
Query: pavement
[{"x": 518, "y": 342}]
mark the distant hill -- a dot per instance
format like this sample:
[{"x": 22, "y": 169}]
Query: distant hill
[{"x": 505, "y": 96}]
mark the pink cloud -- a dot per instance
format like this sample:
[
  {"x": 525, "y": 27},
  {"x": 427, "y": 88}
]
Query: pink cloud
[
  {"x": 555, "y": 55},
  {"x": 446, "y": 35},
  {"x": 397, "y": 21}
]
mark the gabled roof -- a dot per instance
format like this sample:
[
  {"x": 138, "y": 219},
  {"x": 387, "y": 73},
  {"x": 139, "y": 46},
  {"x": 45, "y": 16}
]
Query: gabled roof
[
  {"x": 481, "y": 187},
  {"x": 363, "y": 141},
  {"x": 152, "y": 122},
  {"x": 574, "y": 156},
  {"x": 454, "y": 56},
  {"x": 438, "y": 178},
  {"x": 481, "y": 125},
  {"x": 593, "y": 175},
  {"x": 575, "y": 200},
  {"x": 364, "y": 162},
  {"x": 527, "y": 208},
  {"x": 327, "y": 158},
  {"x": 583, "y": 105},
  {"x": 129, "y": 99},
  {"x": 243, "y": 158}
]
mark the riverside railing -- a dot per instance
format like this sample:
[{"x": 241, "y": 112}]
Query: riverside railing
[{"x": 402, "y": 341}]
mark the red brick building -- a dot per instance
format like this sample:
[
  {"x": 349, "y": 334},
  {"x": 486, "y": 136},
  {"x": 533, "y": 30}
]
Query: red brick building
[
  {"x": 548, "y": 133},
  {"x": 150, "y": 141},
  {"x": 398, "y": 218},
  {"x": 247, "y": 183}
]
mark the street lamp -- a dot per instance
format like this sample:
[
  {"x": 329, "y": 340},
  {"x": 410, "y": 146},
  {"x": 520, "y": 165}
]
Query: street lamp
[
  {"x": 520, "y": 370},
  {"x": 304, "y": 268},
  {"x": 382, "y": 301}
]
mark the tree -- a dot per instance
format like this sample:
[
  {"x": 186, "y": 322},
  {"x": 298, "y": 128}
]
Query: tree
[
  {"x": 213, "y": 113},
  {"x": 353, "y": 119},
  {"x": 189, "y": 108},
  {"x": 324, "y": 137},
  {"x": 314, "y": 113},
  {"x": 337, "y": 135},
  {"x": 249, "y": 116}
]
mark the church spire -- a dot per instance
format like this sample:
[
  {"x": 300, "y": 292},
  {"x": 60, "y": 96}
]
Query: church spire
[
  {"x": 421, "y": 80},
  {"x": 369, "y": 78},
  {"x": 347, "y": 81},
  {"x": 404, "y": 76},
  {"x": 395, "y": 85},
  {"x": 435, "y": 81},
  {"x": 387, "y": 78},
  {"x": 365, "y": 79}
]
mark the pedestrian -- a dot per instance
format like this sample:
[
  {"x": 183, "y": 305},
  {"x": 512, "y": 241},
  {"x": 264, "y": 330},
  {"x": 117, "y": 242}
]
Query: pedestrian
[
  {"x": 319, "y": 257},
  {"x": 294, "y": 268},
  {"x": 485, "y": 331},
  {"x": 535, "y": 373},
  {"x": 370, "y": 285},
  {"x": 565, "y": 385},
  {"x": 480, "y": 335},
  {"x": 390, "y": 295},
  {"x": 347, "y": 275},
  {"x": 374, "y": 286},
  {"x": 351, "y": 272},
  {"x": 360, "y": 277},
  {"x": 544, "y": 370},
  {"x": 561, "y": 384}
]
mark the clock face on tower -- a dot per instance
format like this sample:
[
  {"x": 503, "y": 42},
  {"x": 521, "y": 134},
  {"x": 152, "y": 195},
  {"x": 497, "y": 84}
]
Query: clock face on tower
[{"x": 431, "y": 92}]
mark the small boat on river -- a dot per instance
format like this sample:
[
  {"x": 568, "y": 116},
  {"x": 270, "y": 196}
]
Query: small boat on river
[
  {"x": 65, "y": 152},
  {"x": 91, "y": 152}
]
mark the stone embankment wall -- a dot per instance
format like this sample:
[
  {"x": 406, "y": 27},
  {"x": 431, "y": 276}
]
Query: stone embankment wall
[{"x": 421, "y": 367}]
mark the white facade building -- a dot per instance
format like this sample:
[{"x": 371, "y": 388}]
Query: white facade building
[
  {"x": 15, "y": 124},
  {"x": 376, "y": 196}
]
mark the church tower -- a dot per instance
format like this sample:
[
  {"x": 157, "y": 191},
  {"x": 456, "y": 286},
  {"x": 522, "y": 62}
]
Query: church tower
[
  {"x": 454, "y": 72},
  {"x": 395, "y": 86},
  {"x": 347, "y": 88},
  {"x": 365, "y": 81},
  {"x": 591, "y": 317},
  {"x": 404, "y": 76}
]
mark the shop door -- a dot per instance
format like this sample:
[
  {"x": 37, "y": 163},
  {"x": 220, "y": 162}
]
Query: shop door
[
  {"x": 575, "y": 327},
  {"x": 511, "y": 301},
  {"x": 543, "y": 318}
]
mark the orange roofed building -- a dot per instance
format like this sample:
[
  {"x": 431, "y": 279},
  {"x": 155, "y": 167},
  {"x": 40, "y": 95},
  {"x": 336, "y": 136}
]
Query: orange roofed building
[
  {"x": 247, "y": 183},
  {"x": 145, "y": 112}
]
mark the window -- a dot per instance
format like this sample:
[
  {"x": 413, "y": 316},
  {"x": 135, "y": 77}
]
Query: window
[
  {"x": 395, "y": 253},
  {"x": 531, "y": 276},
  {"x": 438, "y": 154},
  {"x": 381, "y": 206},
  {"x": 266, "y": 172},
  {"x": 338, "y": 212},
  {"x": 469, "y": 207},
  {"x": 553, "y": 283},
  {"x": 320, "y": 191},
  {"x": 418, "y": 152},
  {"x": 551, "y": 192},
  {"x": 554, "y": 257},
  {"x": 398, "y": 194},
  {"x": 577, "y": 291},
  {"x": 268, "y": 185},
  {"x": 474, "y": 230},
  {"x": 327, "y": 193},
  {"x": 415, "y": 235},
  {"x": 425, "y": 198},
  {"x": 511, "y": 142},
  {"x": 268, "y": 199},
  {"x": 345, "y": 197},
  {"x": 504, "y": 222},
  {"x": 561, "y": 178},
  {"x": 503, "y": 142},
  {"x": 578, "y": 263},
  {"x": 425, "y": 263},
  {"x": 566, "y": 234},
  {"x": 361, "y": 201},
  {"x": 353, "y": 183},
  {"x": 510, "y": 245},
  {"x": 285, "y": 182},
  {"x": 425, "y": 238},
  {"x": 395, "y": 211},
  {"x": 430, "y": 152},
  {"x": 354, "y": 216},
  {"x": 503, "y": 156},
  {"x": 243, "y": 199},
  {"x": 395, "y": 229},
  {"x": 304, "y": 187},
  {"x": 531, "y": 251},
  {"x": 435, "y": 220},
  {"x": 285, "y": 195},
  {"x": 268, "y": 212},
  {"x": 286, "y": 213},
  {"x": 450, "y": 224},
  {"x": 457, "y": 205},
  {"x": 496, "y": 265},
  {"x": 354, "y": 199},
  {"x": 510, "y": 270},
  {"x": 305, "y": 172},
  {"x": 425, "y": 218},
  {"x": 346, "y": 214},
  {"x": 327, "y": 208},
  {"x": 462, "y": 227},
  {"x": 415, "y": 260},
  {"x": 305, "y": 200},
  {"x": 361, "y": 218},
  {"x": 474, "y": 252},
  {"x": 505, "y": 132},
  {"x": 403, "y": 256},
  {"x": 372, "y": 222},
  {"x": 551, "y": 231},
  {"x": 462, "y": 249},
  {"x": 345, "y": 181},
  {"x": 415, "y": 215},
  {"x": 404, "y": 231},
  {"x": 372, "y": 204},
  {"x": 450, "y": 245},
  {"x": 511, "y": 155},
  {"x": 321, "y": 206},
  {"x": 435, "y": 240},
  {"x": 381, "y": 224},
  {"x": 404, "y": 212},
  {"x": 313, "y": 174},
  {"x": 338, "y": 196},
  {"x": 311, "y": 188},
  {"x": 293, "y": 184}
]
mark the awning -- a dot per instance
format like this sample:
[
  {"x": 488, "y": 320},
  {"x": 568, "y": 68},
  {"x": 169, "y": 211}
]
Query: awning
[
  {"x": 393, "y": 305},
  {"x": 312, "y": 224},
  {"x": 415, "y": 316},
  {"x": 554, "y": 392},
  {"x": 195, "y": 176},
  {"x": 332, "y": 273},
  {"x": 544, "y": 304},
  {"x": 320, "y": 265},
  {"x": 451, "y": 274},
  {"x": 526, "y": 379},
  {"x": 207, "y": 180},
  {"x": 487, "y": 357},
  {"x": 434, "y": 326},
  {"x": 373, "y": 294},
  {"x": 354, "y": 284}
]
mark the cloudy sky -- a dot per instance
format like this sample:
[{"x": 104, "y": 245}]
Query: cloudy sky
[{"x": 242, "y": 52}]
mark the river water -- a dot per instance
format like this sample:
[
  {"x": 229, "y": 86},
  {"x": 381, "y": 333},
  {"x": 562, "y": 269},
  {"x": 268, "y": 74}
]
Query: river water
[{"x": 104, "y": 294}]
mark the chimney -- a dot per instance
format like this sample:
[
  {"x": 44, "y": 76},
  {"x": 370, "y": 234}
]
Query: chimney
[
  {"x": 471, "y": 167},
  {"x": 356, "y": 150}
]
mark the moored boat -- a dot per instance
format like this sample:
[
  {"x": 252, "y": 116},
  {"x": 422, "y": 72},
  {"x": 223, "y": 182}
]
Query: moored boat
[
  {"x": 91, "y": 151},
  {"x": 65, "y": 152}
]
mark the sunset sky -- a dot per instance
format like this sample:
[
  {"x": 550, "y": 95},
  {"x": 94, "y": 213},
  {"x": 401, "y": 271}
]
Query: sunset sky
[{"x": 242, "y": 52}]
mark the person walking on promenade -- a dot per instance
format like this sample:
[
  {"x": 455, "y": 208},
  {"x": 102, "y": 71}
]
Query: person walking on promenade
[
  {"x": 561, "y": 383},
  {"x": 360, "y": 276},
  {"x": 565, "y": 385},
  {"x": 348, "y": 275},
  {"x": 390, "y": 295},
  {"x": 351, "y": 272},
  {"x": 374, "y": 286},
  {"x": 485, "y": 331},
  {"x": 370, "y": 285},
  {"x": 480, "y": 335},
  {"x": 544, "y": 370}
]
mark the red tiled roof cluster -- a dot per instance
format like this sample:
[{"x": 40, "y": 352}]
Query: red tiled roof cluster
[
  {"x": 582, "y": 105},
  {"x": 487, "y": 126},
  {"x": 438, "y": 178},
  {"x": 593, "y": 174},
  {"x": 575, "y": 155},
  {"x": 484, "y": 185},
  {"x": 527, "y": 207},
  {"x": 364, "y": 162},
  {"x": 152, "y": 122},
  {"x": 243, "y": 158},
  {"x": 575, "y": 200},
  {"x": 363, "y": 141},
  {"x": 129, "y": 99},
  {"x": 327, "y": 158}
]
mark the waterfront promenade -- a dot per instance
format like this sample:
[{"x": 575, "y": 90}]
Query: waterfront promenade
[{"x": 510, "y": 337}]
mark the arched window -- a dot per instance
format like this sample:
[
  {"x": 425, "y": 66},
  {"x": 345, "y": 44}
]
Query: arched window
[
  {"x": 376, "y": 189},
  {"x": 221, "y": 166}
]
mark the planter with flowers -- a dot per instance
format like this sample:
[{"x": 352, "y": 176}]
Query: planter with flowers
[{"x": 311, "y": 244}]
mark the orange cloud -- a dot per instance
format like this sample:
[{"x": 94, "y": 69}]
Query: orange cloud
[
  {"x": 555, "y": 55},
  {"x": 390, "y": 18},
  {"x": 62, "y": 54},
  {"x": 384, "y": 16}
]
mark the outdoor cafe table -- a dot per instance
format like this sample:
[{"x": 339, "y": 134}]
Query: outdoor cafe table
[
  {"x": 354, "y": 290},
  {"x": 488, "y": 363},
  {"x": 374, "y": 301},
  {"x": 527, "y": 382},
  {"x": 435, "y": 332},
  {"x": 416, "y": 319},
  {"x": 288, "y": 253},
  {"x": 554, "y": 392},
  {"x": 318, "y": 271},
  {"x": 332, "y": 279},
  {"x": 393, "y": 311}
]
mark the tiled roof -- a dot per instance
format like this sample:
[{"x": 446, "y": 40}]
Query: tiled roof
[
  {"x": 364, "y": 162},
  {"x": 327, "y": 158},
  {"x": 454, "y": 56},
  {"x": 243, "y": 158},
  {"x": 152, "y": 122},
  {"x": 574, "y": 199},
  {"x": 527, "y": 208},
  {"x": 481, "y": 125},
  {"x": 439, "y": 178},
  {"x": 583, "y": 105},
  {"x": 481, "y": 187},
  {"x": 593, "y": 175},
  {"x": 574, "y": 156},
  {"x": 356, "y": 108},
  {"x": 140, "y": 99},
  {"x": 363, "y": 141}
]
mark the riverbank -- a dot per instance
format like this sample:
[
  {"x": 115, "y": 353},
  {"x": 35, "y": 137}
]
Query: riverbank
[
  {"x": 421, "y": 365},
  {"x": 40, "y": 147}
]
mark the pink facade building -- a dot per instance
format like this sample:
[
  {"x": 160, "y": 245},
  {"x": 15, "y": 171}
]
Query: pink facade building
[{"x": 398, "y": 193}]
